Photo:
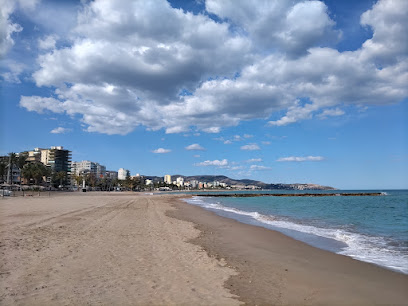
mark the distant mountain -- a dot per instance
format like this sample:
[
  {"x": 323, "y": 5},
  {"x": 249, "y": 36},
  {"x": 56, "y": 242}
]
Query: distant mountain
[{"x": 245, "y": 182}]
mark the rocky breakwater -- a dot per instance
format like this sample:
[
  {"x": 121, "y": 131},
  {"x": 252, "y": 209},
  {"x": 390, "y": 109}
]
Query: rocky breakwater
[{"x": 252, "y": 195}]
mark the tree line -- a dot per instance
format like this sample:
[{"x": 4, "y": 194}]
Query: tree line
[
  {"x": 31, "y": 172},
  {"x": 108, "y": 184}
]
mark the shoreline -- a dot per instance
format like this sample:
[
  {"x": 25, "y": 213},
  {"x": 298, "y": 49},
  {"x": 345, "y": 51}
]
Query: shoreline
[
  {"x": 276, "y": 269},
  {"x": 339, "y": 240},
  {"x": 253, "y": 195},
  {"x": 126, "y": 249}
]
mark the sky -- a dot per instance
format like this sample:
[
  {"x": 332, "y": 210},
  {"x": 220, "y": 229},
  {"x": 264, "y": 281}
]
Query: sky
[{"x": 271, "y": 90}]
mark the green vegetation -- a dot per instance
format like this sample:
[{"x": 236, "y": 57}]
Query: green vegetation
[
  {"x": 60, "y": 176},
  {"x": 36, "y": 172},
  {"x": 21, "y": 161}
]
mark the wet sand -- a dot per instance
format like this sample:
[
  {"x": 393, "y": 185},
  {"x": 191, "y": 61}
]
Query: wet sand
[
  {"x": 136, "y": 249},
  {"x": 274, "y": 269}
]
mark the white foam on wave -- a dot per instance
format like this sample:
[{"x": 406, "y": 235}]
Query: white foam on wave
[{"x": 359, "y": 246}]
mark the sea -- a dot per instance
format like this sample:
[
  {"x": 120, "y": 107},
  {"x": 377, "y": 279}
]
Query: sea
[{"x": 368, "y": 228}]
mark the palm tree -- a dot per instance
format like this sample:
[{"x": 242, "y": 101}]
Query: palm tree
[
  {"x": 35, "y": 171},
  {"x": 78, "y": 179},
  {"x": 138, "y": 183},
  {"x": 128, "y": 183},
  {"x": 27, "y": 172},
  {"x": 61, "y": 175},
  {"x": 11, "y": 163},
  {"x": 39, "y": 172},
  {"x": 21, "y": 160},
  {"x": 113, "y": 184},
  {"x": 3, "y": 167},
  {"x": 92, "y": 179},
  {"x": 103, "y": 183}
]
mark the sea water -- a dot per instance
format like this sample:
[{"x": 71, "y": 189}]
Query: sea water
[{"x": 367, "y": 228}]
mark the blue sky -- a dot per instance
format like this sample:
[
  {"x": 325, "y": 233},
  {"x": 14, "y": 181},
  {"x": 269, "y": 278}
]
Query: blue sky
[{"x": 278, "y": 91}]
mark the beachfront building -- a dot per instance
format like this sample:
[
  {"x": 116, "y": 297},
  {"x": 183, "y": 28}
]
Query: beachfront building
[
  {"x": 100, "y": 170},
  {"x": 123, "y": 174},
  {"x": 35, "y": 155},
  {"x": 111, "y": 174},
  {"x": 167, "y": 179},
  {"x": 15, "y": 175},
  {"x": 148, "y": 182},
  {"x": 180, "y": 181},
  {"x": 55, "y": 158},
  {"x": 12, "y": 176},
  {"x": 87, "y": 166},
  {"x": 81, "y": 167},
  {"x": 194, "y": 183}
]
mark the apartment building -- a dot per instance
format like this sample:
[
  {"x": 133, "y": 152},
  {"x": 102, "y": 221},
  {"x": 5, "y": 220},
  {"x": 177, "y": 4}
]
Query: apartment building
[
  {"x": 111, "y": 174},
  {"x": 87, "y": 166},
  {"x": 180, "y": 181},
  {"x": 123, "y": 173},
  {"x": 57, "y": 159},
  {"x": 167, "y": 179},
  {"x": 12, "y": 176},
  {"x": 194, "y": 183}
]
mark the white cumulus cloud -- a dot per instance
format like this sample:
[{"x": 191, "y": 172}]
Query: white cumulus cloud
[
  {"x": 331, "y": 113},
  {"x": 60, "y": 130},
  {"x": 218, "y": 163},
  {"x": 7, "y": 27},
  {"x": 250, "y": 147},
  {"x": 48, "y": 42},
  {"x": 161, "y": 151},
  {"x": 13, "y": 73},
  {"x": 291, "y": 26},
  {"x": 122, "y": 69},
  {"x": 300, "y": 158},
  {"x": 259, "y": 168},
  {"x": 194, "y": 147}
]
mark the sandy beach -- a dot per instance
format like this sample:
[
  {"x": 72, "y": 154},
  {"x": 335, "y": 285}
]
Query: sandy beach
[{"x": 139, "y": 249}]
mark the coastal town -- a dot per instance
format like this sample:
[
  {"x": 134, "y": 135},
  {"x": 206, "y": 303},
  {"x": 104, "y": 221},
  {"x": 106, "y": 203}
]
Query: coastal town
[{"x": 53, "y": 169}]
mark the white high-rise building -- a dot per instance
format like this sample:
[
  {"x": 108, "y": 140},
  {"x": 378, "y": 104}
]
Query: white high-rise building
[
  {"x": 167, "y": 179},
  {"x": 194, "y": 183},
  {"x": 180, "y": 181},
  {"x": 123, "y": 173},
  {"x": 87, "y": 166}
]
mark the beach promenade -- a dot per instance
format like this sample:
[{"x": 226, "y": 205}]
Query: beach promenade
[{"x": 140, "y": 249}]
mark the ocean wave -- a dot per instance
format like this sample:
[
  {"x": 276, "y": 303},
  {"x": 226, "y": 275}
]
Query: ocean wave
[{"x": 377, "y": 250}]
